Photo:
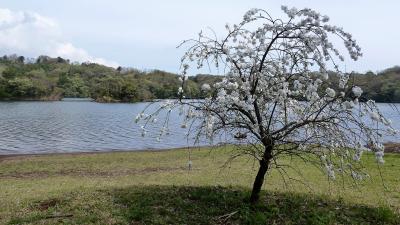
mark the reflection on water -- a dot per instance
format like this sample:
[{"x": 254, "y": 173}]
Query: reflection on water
[{"x": 72, "y": 126}]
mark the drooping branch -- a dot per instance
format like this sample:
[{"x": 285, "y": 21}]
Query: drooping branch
[{"x": 277, "y": 89}]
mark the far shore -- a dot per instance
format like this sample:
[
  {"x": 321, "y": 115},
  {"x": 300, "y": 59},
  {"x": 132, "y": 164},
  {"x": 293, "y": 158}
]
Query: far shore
[{"x": 106, "y": 100}]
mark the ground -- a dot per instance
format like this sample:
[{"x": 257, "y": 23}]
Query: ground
[{"x": 158, "y": 188}]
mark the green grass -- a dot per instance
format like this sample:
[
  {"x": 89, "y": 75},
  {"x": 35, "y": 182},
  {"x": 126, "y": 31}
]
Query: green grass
[{"x": 157, "y": 188}]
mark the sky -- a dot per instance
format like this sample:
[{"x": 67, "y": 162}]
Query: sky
[{"x": 144, "y": 34}]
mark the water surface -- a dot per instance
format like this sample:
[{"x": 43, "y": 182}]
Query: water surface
[{"x": 76, "y": 126}]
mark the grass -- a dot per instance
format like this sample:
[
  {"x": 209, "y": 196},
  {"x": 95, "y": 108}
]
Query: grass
[{"x": 157, "y": 188}]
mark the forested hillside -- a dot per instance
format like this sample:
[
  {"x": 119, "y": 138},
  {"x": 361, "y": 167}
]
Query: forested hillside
[
  {"x": 382, "y": 87},
  {"x": 48, "y": 78}
]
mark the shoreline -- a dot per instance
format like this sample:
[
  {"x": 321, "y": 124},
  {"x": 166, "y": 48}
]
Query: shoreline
[
  {"x": 390, "y": 147},
  {"x": 22, "y": 155}
]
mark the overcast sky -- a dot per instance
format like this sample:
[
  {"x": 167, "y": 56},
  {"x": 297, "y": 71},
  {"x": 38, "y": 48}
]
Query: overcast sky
[{"x": 144, "y": 34}]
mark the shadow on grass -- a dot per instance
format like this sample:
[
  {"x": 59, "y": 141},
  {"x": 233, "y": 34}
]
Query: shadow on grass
[{"x": 197, "y": 205}]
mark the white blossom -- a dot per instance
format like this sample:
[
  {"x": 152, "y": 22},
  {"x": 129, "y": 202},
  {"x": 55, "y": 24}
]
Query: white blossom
[
  {"x": 330, "y": 92},
  {"x": 348, "y": 104},
  {"x": 358, "y": 153},
  {"x": 375, "y": 116},
  {"x": 357, "y": 91},
  {"x": 205, "y": 87},
  {"x": 180, "y": 90},
  {"x": 144, "y": 132},
  {"x": 356, "y": 176},
  {"x": 137, "y": 118},
  {"x": 379, "y": 157},
  {"x": 330, "y": 171}
]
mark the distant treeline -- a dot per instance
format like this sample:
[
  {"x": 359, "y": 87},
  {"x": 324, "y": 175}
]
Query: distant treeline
[{"x": 46, "y": 78}]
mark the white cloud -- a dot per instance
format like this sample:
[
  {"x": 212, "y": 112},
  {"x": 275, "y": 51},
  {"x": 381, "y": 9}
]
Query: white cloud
[{"x": 30, "y": 34}]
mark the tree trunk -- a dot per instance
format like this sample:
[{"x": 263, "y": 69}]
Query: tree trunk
[{"x": 258, "y": 182}]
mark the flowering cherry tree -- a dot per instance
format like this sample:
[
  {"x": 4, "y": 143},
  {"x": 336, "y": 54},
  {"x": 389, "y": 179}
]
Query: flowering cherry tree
[{"x": 277, "y": 94}]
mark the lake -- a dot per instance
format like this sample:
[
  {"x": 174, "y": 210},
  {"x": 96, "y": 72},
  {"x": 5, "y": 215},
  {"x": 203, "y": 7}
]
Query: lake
[
  {"x": 75, "y": 126},
  {"x": 84, "y": 126}
]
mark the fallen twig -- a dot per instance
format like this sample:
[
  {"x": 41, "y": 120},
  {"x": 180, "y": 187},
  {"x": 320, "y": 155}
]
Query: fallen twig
[{"x": 222, "y": 219}]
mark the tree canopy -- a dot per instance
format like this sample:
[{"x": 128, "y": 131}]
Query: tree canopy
[{"x": 280, "y": 96}]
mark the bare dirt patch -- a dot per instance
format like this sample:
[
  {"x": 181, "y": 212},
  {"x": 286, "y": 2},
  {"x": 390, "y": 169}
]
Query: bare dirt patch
[
  {"x": 90, "y": 173},
  {"x": 44, "y": 205},
  {"x": 392, "y": 147}
]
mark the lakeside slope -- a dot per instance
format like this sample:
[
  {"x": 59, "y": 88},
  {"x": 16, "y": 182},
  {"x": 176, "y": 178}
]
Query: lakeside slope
[{"x": 156, "y": 187}]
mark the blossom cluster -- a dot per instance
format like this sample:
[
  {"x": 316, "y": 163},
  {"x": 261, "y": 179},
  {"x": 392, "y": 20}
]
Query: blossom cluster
[{"x": 277, "y": 89}]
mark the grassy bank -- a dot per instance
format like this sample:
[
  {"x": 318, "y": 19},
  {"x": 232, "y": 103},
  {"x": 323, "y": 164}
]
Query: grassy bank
[{"x": 157, "y": 188}]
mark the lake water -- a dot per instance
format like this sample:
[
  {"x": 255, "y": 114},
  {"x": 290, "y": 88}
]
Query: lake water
[{"x": 76, "y": 126}]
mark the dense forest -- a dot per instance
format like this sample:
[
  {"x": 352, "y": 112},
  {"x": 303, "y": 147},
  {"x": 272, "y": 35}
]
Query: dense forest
[{"x": 46, "y": 78}]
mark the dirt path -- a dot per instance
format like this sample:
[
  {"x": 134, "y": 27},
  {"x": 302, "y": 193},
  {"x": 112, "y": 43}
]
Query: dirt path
[{"x": 90, "y": 173}]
